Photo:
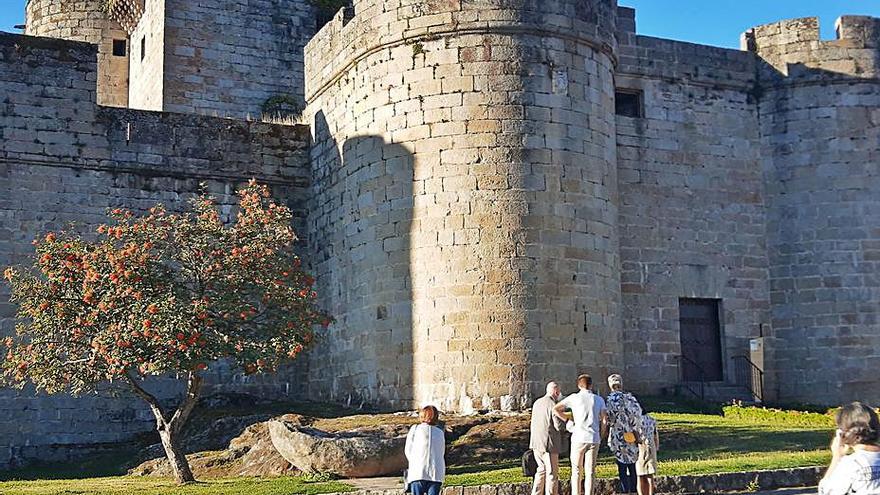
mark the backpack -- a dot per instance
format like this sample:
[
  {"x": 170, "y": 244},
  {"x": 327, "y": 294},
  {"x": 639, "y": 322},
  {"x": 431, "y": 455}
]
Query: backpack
[{"x": 529, "y": 464}]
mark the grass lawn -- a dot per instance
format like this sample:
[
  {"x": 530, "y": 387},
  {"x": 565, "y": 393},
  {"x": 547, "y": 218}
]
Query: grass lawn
[
  {"x": 690, "y": 443},
  {"x": 125, "y": 485},
  {"x": 703, "y": 444}
]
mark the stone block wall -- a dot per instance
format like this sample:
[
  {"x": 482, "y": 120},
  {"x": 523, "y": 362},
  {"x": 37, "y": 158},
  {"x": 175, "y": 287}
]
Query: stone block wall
[
  {"x": 465, "y": 198},
  {"x": 85, "y": 20},
  {"x": 64, "y": 159},
  {"x": 226, "y": 58},
  {"x": 147, "y": 59},
  {"x": 820, "y": 128},
  {"x": 692, "y": 215}
]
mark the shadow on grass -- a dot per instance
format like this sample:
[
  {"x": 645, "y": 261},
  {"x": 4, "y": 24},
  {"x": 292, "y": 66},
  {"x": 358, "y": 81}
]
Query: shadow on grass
[{"x": 117, "y": 459}]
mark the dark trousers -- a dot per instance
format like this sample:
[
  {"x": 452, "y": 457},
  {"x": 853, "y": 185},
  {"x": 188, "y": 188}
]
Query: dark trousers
[
  {"x": 423, "y": 487},
  {"x": 627, "y": 474}
]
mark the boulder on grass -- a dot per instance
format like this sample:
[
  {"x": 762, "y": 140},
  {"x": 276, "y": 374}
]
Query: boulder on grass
[{"x": 351, "y": 454}]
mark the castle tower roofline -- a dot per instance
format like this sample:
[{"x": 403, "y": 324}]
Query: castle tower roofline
[
  {"x": 794, "y": 47},
  {"x": 375, "y": 25}
]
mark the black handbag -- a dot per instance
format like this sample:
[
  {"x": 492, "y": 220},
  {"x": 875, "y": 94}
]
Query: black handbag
[{"x": 529, "y": 464}]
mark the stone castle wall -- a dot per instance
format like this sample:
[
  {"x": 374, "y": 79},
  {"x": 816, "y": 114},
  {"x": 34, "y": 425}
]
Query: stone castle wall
[
  {"x": 85, "y": 20},
  {"x": 479, "y": 219},
  {"x": 820, "y": 128},
  {"x": 64, "y": 159},
  {"x": 692, "y": 214},
  {"x": 227, "y": 58},
  {"x": 465, "y": 195}
]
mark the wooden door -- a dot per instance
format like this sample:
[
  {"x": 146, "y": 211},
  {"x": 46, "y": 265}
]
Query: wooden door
[{"x": 700, "y": 340}]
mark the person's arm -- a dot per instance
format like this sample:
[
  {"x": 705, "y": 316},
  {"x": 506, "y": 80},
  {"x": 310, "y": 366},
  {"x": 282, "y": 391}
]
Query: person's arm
[
  {"x": 656, "y": 440},
  {"x": 837, "y": 479},
  {"x": 558, "y": 423},
  {"x": 603, "y": 419},
  {"x": 559, "y": 410}
]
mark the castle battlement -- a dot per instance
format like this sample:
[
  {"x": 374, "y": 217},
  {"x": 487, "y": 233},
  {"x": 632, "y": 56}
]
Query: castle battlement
[
  {"x": 795, "y": 48},
  {"x": 371, "y": 26}
]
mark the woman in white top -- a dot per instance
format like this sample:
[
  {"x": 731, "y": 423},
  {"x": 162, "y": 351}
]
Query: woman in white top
[
  {"x": 858, "y": 472},
  {"x": 425, "y": 450}
]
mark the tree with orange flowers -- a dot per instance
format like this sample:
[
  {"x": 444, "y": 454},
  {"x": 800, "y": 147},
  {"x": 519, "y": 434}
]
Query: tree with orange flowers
[{"x": 161, "y": 294}]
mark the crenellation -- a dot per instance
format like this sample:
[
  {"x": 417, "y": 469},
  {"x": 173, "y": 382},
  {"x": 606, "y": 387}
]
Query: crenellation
[{"x": 794, "y": 49}]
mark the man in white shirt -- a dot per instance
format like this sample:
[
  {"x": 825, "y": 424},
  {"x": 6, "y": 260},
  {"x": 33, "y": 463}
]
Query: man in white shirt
[{"x": 589, "y": 420}]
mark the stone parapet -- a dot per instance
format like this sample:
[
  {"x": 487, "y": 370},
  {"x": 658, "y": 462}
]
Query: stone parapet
[
  {"x": 796, "y": 51},
  {"x": 378, "y": 24}
]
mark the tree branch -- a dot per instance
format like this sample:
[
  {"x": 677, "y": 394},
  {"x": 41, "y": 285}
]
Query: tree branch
[
  {"x": 161, "y": 422},
  {"x": 193, "y": 389}
]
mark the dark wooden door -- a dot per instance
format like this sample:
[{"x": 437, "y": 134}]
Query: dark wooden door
[{"x": 700, "y": 340}]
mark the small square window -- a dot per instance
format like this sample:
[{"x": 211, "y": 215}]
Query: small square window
[
  {"x": 119, "y": 48},
  {"x": 143, "y": 47},
  {"x": 629, "y": 103}
]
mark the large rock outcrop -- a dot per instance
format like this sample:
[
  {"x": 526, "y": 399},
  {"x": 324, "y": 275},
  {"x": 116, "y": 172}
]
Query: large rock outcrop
[{"x": 351, "y": 454}]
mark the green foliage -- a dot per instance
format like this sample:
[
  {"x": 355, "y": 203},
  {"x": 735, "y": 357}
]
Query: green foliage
[
  {"x": 282, "y": 105},
  {"x": 778, "y": 417},
  {"x": 319, "y": 477},
  {"x": 161, "y": 293}
]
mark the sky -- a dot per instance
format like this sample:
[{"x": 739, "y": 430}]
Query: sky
[{"x": 710, "y": 22}]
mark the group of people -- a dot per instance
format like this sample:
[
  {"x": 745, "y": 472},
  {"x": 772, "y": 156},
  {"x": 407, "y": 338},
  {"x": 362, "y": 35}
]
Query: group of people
[
  {"x": 633, "y": 439},
  {"x": 630, "y": 431}
]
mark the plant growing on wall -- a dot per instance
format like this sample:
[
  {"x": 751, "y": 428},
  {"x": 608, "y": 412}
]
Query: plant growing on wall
[
  {"x": 162, "y": 294},
  {"x": 281, "y": 106}
]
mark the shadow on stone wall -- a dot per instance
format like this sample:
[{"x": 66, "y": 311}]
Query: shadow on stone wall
[{"x": 361, "y": 216}]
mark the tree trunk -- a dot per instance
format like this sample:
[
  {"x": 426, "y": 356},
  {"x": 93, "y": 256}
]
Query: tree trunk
[
  {"x": 176, "y": 457},
  {"x": 169, "y": 429}
]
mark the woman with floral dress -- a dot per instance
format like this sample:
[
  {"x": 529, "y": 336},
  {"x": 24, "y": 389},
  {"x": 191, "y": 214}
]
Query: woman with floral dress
[{"x": 624, "y": 421}]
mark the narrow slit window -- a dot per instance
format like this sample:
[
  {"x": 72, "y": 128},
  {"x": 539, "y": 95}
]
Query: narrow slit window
[
  {"x": 143, "y": 47},
  {"x": 119, "y": 48},
  {"x": 629, "y": 103}
]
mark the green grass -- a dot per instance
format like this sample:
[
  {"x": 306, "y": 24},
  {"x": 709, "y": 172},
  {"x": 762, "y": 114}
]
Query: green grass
[
  {"x": 692, "y": 444},
  {"x": 125, "y": 485}
]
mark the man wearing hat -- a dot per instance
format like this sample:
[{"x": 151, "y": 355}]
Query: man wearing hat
[{"x": 624, "y": 420}]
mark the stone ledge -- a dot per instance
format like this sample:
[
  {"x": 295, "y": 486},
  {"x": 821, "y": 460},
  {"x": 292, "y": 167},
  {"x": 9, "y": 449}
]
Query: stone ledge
[{"x": 709, "y": 483}]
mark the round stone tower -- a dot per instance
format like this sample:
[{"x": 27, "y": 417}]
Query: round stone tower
[
  {"x": 466, "y": 198},
  {"x": 86, "y": 20},
  {"x": 820, "y": 126}
]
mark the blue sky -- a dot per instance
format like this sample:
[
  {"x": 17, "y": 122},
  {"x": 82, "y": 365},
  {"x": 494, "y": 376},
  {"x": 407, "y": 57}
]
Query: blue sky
[{"x": 711, "y": 22}]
